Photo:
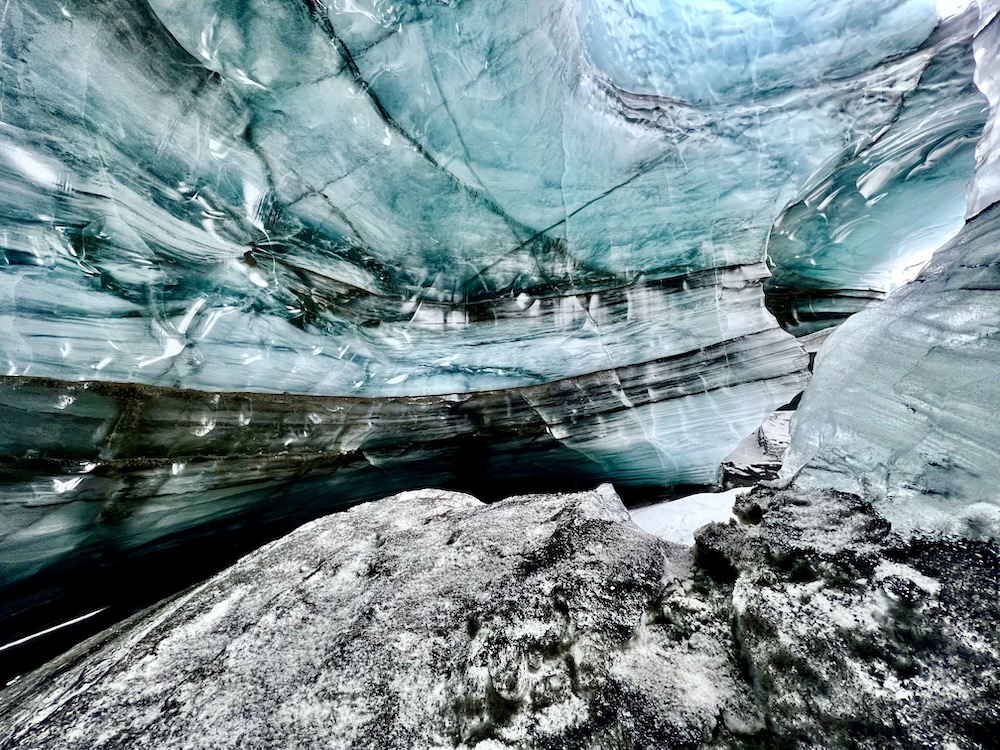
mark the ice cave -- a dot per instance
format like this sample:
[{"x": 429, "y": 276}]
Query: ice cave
[{"x": 604, "y": 374}]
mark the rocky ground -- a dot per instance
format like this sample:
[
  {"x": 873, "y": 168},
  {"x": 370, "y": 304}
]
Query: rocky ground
[
  {"x": 850, "y": 636},
  {"x": 432, "y": 620}
]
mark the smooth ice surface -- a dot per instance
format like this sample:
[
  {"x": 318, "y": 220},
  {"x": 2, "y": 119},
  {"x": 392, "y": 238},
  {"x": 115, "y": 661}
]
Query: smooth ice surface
[
  {"x": 723, "y": 51},
  {"x": 105, "y": 468},
  {"x": 985, "y": 189},
  {"x": 902, "y": 405},
  {"x": 868, "y": 222}
]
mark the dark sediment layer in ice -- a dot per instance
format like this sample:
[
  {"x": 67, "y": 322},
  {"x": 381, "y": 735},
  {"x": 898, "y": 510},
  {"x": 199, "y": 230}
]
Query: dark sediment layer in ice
[
  {"x": 106, "y": 485},
  {"x": 96, "y": 466}
]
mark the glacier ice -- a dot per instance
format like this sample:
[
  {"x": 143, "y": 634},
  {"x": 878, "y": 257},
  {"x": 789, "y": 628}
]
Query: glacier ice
[
  {"x": 903, "y": 402},
  {"x": 262, "y": 259},
  {"x": 985, "y": 188},
  {"x": 866, "y": 224}
]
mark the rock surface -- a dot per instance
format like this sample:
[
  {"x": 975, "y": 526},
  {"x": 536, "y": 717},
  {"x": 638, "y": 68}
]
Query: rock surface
[
  {"x": 432, "y": 620},
  {"x": 425, "y": 620},
  {"x": 854, "y": 637}
]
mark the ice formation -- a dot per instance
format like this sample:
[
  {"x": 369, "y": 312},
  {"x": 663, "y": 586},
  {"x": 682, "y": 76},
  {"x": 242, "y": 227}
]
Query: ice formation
[
  {"x": 866, "y": 224},
  {"x": 903, "y": 403},
  {"x": 265, "y": 259}
]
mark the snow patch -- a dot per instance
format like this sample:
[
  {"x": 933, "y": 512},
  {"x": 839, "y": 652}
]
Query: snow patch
[{"x": 677, "y": 520}]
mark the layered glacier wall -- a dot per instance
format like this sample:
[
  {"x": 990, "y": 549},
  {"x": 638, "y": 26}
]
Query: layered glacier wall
[
  {"x": 268, "y": 183},
  {"x": 265, "y": 259},
  {"x": 867, "y": 223},
  {"x": 902, "y": 407}
]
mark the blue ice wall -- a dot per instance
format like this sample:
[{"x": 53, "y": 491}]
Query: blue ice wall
[{"x": 260, "y": 259}]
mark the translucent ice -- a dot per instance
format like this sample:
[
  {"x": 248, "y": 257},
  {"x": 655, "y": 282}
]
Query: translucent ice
[
  {"x": 870, "y": 220},
  {"x": 262, "y": 258},
  {"x": 903, "y": 404}
]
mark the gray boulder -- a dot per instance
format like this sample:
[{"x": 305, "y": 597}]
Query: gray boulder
[
  {"x": 424, "y": 620},
  {"x": 430, "y": 620}
]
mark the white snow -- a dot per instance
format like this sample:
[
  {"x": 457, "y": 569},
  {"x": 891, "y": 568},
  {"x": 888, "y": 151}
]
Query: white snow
[{"x": 677, "y": 520}]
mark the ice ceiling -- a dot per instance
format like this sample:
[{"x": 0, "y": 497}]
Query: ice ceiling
[{"x": 262, "y": 258}]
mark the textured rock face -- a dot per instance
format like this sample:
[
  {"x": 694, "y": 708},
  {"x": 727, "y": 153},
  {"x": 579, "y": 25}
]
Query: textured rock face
[
  {"x": 853, "y": 637},
  {"x": 430, "y": 620},
  {"x": 425, "y": 620}
]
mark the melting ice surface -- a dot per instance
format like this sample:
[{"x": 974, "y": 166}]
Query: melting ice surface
[
  {"x": 851, "y": 235},
  {"x": 264, "y": 258}
]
